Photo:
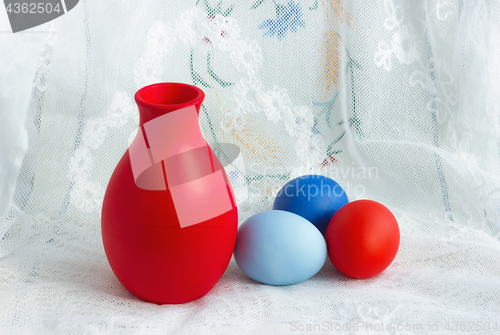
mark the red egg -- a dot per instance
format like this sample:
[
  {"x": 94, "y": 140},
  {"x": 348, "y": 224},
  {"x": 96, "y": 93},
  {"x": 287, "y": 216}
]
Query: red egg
[{"x": 362, "y": 239}]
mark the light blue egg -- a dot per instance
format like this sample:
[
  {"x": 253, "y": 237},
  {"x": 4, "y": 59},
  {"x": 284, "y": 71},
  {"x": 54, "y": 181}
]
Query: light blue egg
[{"x": 279, "y": 248}]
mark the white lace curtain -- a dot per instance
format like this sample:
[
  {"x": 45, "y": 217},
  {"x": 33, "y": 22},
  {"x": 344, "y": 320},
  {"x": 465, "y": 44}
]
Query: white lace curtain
[{"x": 397, "y": 100}]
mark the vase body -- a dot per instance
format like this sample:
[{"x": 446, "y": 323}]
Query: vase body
[{"x": 169, "y": 216}]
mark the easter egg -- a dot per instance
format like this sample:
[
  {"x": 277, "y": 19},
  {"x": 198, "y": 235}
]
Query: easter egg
[
  {"x": 315, "y": 198},
  {"x": 362, "y": 238},
  {"x": 279, "y": 248}
]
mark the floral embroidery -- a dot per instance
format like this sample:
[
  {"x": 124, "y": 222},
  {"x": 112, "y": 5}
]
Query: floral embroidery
[
  {"x": 289, "y": 17},
  {"x": 160, "y": 39},
  {"x": 211, "y": 33},
  {"x": 442, "y": 108},
  {"x": 246, "y": 57},
  {"x": 85, "y": 194},
  {"x": 404, "y": 44},
  {"x": 336, "y": 9},
  {"x": 337, "y": 13},
  {"x": 331, "y": 61},
  {"x": 212, "y": 11},
  {"x": 445, "y": 9},
  {"x": 207, "y": 30}
]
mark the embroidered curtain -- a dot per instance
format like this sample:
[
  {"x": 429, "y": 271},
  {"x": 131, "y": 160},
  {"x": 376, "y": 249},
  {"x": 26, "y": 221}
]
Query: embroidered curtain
[{"x": 397, "y": 100}]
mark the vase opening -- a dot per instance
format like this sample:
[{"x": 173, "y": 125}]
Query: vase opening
[{"x": 168, "y": 95}]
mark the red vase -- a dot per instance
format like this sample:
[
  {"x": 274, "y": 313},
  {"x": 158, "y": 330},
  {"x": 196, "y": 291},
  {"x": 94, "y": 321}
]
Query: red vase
[{"x": 169, "y": 217}]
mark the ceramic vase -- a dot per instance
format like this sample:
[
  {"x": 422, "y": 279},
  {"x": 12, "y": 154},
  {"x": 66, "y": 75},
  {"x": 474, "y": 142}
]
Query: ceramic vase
[{"x": 169, "y": 217}]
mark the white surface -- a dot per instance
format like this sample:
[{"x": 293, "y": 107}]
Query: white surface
[
  {"x": 4, "y": 21},
  {"x": 421, "y": 136}
]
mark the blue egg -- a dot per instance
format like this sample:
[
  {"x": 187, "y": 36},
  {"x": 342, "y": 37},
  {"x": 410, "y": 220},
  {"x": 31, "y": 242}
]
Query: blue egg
[
  {"x": 315, "y": 198},
  {"x": 279, "y": 248}
]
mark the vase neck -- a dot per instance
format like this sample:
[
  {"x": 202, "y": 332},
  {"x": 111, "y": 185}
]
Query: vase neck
[
  {"x": 159, "y": 99},
  {"x": 147, "y": 113}
]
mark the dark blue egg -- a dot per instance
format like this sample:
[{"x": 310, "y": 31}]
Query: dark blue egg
[{"x": 315, "y": 198}]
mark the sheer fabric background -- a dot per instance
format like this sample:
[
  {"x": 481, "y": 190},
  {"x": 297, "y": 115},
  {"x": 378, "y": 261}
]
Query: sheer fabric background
[{"x": 397, "y": 100}]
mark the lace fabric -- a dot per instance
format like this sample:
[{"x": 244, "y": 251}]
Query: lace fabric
[{"x": 396, "y": 100}]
